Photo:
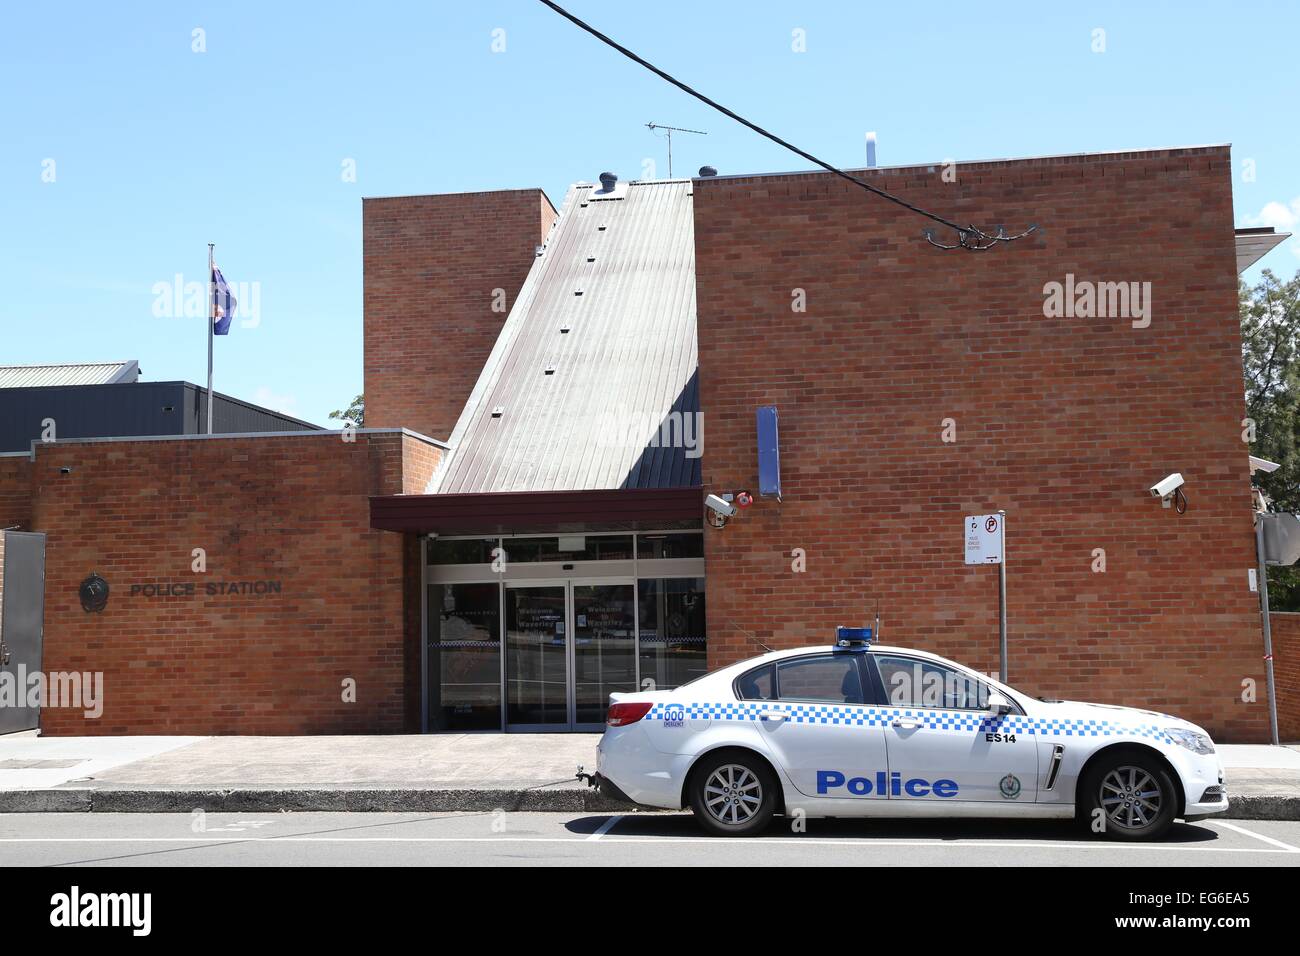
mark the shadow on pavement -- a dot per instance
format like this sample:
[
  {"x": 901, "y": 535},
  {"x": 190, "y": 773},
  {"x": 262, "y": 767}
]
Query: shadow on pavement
[{"x": 682, "y": 825}]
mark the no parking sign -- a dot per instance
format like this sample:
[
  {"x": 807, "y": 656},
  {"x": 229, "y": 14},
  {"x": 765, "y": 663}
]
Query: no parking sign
[{"x": 984, "y": 538}]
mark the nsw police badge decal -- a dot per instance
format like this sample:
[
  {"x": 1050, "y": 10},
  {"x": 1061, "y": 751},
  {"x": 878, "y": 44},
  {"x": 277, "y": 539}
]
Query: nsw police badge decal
[{"x": 1010, "y": 786}]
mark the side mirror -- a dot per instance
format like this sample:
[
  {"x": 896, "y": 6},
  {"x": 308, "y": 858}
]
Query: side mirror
[{"x": 998, "y": 703}]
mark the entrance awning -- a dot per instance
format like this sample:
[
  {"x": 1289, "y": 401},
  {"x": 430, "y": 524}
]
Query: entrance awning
[{"x": 521, "y": 512}]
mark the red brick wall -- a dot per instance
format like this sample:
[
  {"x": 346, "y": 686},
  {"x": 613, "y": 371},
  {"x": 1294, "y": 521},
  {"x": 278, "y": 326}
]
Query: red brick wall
[
  {"x": 15, "y": 502},
  {"x": 1064, "y": 422},
  {"x": 1286, "y": 674},
  {"x": 291, "y": 509},
  {"x": 15, "y": 491},
  {"x": 431, "y": 265}
]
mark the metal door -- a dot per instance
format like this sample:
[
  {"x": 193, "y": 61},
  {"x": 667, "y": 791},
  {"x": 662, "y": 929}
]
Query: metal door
[{"x": 22, "y": 619}]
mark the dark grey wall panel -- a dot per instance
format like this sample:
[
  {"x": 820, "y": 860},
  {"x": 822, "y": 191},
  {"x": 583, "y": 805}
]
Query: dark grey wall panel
[{"x": 124, "y": 410}]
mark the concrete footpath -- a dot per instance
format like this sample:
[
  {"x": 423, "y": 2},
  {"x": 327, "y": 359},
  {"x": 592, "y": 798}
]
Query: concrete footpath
[{"x": 442, "y": 772}]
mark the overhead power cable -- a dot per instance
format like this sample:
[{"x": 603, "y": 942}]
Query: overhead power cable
[{"x": 969, "y": 237}]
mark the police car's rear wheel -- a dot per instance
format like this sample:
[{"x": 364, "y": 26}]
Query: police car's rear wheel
[
  {"x": 1130, "y": 797},
  {"x": 733, "y": 794}
]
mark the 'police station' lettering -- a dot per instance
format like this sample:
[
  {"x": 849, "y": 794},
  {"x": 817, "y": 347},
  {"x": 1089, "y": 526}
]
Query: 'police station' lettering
[{"x": 828, "y": 780}]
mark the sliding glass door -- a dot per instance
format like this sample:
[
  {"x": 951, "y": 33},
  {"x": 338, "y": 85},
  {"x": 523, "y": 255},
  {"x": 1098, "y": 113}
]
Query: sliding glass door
[
  {"x": 569, "y": 645},
  {"x": 537, "y": 657}
]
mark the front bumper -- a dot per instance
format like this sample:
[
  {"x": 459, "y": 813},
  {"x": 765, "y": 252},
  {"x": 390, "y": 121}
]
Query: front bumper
[{"x": 1201, "y": 776}]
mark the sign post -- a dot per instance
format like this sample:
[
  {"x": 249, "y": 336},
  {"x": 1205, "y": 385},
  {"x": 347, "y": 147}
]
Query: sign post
[{"x": 986, "y": 543}]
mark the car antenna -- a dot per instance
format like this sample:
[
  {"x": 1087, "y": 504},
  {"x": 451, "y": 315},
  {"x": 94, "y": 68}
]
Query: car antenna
[
  {"x": 751, "y": 636},
  {"x": 876, "y": 632}
]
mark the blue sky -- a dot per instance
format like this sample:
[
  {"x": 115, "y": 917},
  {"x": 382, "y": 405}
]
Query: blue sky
[{"x": 158, "y": 150}]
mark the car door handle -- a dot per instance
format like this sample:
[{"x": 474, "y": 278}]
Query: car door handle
[
  {"x": 906, "y": 723},
  {"x": 773, "y": 715}
]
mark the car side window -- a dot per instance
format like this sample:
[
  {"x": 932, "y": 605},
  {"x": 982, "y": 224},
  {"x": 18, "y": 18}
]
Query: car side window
[
  {"x": 835, "y": 679},
  {"x": 913, "y": 682},
  {"x": 758, "y": 684}
]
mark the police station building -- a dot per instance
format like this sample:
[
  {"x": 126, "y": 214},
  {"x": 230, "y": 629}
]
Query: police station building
[{"x": 521, "y": 529}]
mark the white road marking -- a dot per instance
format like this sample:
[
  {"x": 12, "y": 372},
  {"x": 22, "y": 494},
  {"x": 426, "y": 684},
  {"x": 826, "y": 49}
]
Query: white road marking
[
  {"x": 710, "y": 841},
  {"x": 1251, "y": 833},
  {"x": 604, "y": 828}
]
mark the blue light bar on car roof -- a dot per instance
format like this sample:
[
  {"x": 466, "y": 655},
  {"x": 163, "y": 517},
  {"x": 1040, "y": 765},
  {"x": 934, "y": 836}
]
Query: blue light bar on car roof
[{"x": 853, "y": 638}]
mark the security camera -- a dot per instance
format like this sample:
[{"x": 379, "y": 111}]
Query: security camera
[
  {"x": 720, "y": 506},
  {"x": 1167, "y": 486},
  {"x": 1169, "y": 491}
]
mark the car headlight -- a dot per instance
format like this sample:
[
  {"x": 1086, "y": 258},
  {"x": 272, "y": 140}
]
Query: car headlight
[{"x": 1196, "y": 743}]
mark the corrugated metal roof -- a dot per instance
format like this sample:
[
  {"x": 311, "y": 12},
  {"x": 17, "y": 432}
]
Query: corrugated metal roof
[
  {"x": 609, "y": 309},
  {"x": 1254, "y": 244},
  {"x": 88, "y": 373}
]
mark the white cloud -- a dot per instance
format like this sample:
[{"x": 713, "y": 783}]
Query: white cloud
[
  {"x": 1284, "y": 217},
  {"x": 284, "y": 404}
]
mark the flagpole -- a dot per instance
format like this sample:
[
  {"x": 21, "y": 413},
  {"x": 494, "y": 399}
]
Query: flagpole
[{"x": 212, "y": 319}]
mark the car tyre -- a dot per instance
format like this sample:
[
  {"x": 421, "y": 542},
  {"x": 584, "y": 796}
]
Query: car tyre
[
  {"x": 733, "y": 793},
  {"x": 1127, "y": 796}
]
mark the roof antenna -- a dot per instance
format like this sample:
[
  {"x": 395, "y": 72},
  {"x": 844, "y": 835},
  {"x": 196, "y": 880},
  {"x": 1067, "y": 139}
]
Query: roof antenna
[
  {"x": 670, "y": 130},
  {"x": 750, "y": 635},
  {"x": 876, "y": 632}
]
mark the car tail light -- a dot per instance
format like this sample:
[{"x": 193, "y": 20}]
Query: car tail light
[{"x": 620, "y": 715}]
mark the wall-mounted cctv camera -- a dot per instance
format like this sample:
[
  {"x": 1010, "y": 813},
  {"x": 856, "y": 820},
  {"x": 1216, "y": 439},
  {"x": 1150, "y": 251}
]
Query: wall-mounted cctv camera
[
  {"x": 720, "y": 506},
  {"x": 1168, "y": 489}
]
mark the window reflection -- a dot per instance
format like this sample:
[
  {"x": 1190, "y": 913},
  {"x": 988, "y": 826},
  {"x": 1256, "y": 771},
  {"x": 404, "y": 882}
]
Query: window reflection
[
  {"x": 670, "y": 545},
  {"x": 673, "y": 647},
  {"x": 573, "y": 547},
  {"x": 464, "y": 657}
]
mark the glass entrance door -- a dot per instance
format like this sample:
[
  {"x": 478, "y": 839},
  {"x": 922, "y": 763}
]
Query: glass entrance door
[
  {"x": 537, "y": 657},
  {"x": 604, "y": 648},
  {"x": 569, "y": 645}
]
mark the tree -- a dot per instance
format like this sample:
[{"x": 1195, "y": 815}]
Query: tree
[
  {"x": 1270, "y": 338},
  {"x": 354, "y": 413}
]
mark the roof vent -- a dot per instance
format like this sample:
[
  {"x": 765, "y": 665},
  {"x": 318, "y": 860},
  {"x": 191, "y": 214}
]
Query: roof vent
[
  {"x": 708, "y": 170},
  {"x": 610, "y": 188}
]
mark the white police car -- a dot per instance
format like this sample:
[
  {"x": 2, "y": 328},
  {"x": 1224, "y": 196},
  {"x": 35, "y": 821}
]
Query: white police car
[{"x": 855, "y": 730}]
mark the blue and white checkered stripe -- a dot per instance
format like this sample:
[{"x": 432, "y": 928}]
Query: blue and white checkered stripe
[{"x": 960, "y": 721}]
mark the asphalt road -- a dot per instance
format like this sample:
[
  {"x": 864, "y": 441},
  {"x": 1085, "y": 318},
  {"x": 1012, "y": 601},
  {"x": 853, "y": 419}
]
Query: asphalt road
[{"x": 558, "y": 839}]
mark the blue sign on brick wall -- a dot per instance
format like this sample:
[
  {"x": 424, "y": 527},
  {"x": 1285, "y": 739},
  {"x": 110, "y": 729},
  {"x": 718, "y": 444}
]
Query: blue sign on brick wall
[{"x": 769, "y": 453}]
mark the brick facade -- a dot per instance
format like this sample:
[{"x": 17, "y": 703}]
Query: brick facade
[
  {"x": 432, "y": 264},
  {"x": 15, "y": 504},
  {"x": 1063, "y": 422},
  {"x": 1286, "y": 674},
  {"x": 292, "y": 510},
  {"x": 16, "y": 492}
]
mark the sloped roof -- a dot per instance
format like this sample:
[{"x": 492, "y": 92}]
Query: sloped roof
[
  {"x": 1254, "y": 244},
  {"x": 87, "y": 373},
  {"x": 592, "y": 382}
]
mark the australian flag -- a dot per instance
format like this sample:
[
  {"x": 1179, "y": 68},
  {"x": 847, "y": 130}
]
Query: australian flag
[{"x": 223, "y": 303}]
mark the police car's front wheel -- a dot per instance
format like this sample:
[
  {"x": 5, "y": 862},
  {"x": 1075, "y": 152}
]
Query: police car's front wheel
[
  {"x": 732, "y": 793},
  {"x": 1129, "y": 796}
]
